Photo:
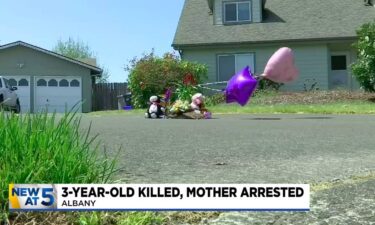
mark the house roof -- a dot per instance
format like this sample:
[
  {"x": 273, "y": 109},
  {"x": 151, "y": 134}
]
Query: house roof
[
  {"x": 284, "y": 20},
  {"x": 94, "y": 70}
]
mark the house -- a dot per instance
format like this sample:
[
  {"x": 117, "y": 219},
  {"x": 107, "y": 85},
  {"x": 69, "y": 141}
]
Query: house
[
  {"x": 45, "y": 79},
  {"x": 227, "y": 35}
]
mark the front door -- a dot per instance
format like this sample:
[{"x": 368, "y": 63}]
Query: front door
[{"x": 339, "y": 76}]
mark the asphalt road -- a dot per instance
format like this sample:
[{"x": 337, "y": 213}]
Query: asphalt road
[
  {"x": 239, "y": 148},
  {"x": 254, "y": 149}
]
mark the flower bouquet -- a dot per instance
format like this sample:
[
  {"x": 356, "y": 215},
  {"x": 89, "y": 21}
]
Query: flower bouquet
[{"x": 179, "y": 107}]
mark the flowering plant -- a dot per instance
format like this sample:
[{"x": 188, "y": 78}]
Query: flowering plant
[{"x": 180, "y": 107}]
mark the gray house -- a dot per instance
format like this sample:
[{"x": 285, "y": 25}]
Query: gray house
[
  {"x": 227, "y": 35},
  {"x": 45, "y": 79}
]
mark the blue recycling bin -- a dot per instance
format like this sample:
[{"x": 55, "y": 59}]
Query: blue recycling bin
[{"x": 128, "y": 101}]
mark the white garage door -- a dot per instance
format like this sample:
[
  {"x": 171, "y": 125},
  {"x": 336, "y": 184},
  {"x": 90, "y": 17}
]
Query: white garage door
[
  {"x": 57, "y": 94},
  {"x": 23, "y": 90}
]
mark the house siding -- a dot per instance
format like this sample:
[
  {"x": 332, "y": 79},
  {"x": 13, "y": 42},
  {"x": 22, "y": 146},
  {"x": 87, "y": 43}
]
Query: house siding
[
  {"x": 311, "y": 60},
  {"x": 40, "y": 64},
  {"x": 256, "y": 12},
  {"x": 346, "y": 47}
]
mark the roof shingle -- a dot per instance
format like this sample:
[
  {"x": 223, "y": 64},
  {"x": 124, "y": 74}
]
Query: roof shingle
[{"x": 286, "y": 20}]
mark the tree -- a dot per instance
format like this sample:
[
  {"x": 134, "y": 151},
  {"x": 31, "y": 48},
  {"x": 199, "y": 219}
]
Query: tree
[
  {"x": 77, "y": 49},
  {"x": 364, "y": 68},
  {"x": 153, "y": 75}
]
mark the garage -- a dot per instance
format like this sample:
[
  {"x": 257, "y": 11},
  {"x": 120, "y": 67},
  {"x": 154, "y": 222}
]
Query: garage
[
  {"x": 46, "y": 80},
  {"x": 57, "y": 94},
  {"x": 23, "y": 90}
]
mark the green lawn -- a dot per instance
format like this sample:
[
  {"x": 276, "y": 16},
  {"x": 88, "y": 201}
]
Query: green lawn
[
  {"x": 353, "y": 107},
  {"x": 272, "y": 102}
]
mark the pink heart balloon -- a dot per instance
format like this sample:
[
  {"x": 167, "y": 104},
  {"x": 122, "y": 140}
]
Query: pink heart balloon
[{"x": 280, "y": 67}]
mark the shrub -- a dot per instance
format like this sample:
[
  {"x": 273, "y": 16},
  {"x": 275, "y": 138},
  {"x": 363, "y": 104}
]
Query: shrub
[
  {"x": 364, "y": 68},
  {"x": 40, "y": 148},
  {"x": 310, "y": 85},
  {"x": 215, "y": 99},
  {"x": 266, "y": 84},
  {"x": 184, "y": 92},
  {"x": 152, "y": 75}
]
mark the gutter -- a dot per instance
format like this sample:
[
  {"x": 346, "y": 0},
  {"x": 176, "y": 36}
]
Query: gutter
[{"x": 227, "y": 44}]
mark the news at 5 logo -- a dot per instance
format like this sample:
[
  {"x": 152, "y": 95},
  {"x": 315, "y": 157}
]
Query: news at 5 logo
[{"x": 32, "y": 197}]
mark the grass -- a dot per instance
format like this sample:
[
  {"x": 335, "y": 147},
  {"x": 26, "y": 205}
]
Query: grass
[
  {"x": 356, "y": 107},
  {"x": 356, "y": 179},
  {"x": 39, "y": 149},
  {"x": 113, "y": 218},
  {"x": 271, "y": 102}
]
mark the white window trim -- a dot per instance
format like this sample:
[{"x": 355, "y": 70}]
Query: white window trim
[
  {"x": 237, "y": 11},
  {"x": 235, "y": 62}
]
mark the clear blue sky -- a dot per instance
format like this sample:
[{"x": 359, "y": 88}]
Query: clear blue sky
[{"x": 115, "y": 30}]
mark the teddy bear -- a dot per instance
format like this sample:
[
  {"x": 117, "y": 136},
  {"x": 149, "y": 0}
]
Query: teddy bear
[
  {"x": 198, "y": 107},
  {"x": 155, "y": 110}
]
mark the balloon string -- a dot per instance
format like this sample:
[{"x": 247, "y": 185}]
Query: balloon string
[
  {"x": 213, "y": 83},
  {"x": 211, "y": 89},
  {"x": 257, "y": 77}
]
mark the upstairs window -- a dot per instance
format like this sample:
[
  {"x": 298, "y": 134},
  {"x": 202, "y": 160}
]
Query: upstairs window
[{"x": 237, "y": 12}]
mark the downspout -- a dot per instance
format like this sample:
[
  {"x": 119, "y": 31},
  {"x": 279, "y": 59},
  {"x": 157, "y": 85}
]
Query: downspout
[{"x": 210, "y": 5}]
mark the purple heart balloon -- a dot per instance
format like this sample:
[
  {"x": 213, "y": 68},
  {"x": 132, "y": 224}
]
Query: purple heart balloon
[{"x": 240, "y": 87}]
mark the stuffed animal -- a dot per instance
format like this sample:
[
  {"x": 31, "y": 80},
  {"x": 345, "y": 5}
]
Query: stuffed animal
[
  {"x": 155, "y": 110},
  {"x": 197, "y": 105}
]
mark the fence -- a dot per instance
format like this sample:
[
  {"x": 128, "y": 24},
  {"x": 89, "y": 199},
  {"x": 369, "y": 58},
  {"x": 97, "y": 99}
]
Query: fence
[{"x": 105, "y": 95}]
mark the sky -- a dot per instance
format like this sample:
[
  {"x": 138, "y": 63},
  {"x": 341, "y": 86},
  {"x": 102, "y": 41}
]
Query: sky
[{"x": 115, "y": 30}]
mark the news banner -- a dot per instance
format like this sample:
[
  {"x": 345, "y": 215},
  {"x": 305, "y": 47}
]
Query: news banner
[{"x": 159, "y": 197}]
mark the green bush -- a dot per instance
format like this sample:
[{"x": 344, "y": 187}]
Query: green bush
[
  {"x": 184, "y": 92},
  {"x": 364, "y": 68},
  {"x": 215, "y": 99},
  {"x": 152, "y": 75},
  {"x": 266, "y": 84},
  {"x": 43, "y": 149}
]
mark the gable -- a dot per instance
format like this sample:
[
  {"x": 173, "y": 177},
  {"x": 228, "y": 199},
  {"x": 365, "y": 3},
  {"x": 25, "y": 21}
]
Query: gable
[
  {"x": 21, "y": 60},
  {"x": 51, "y": 55},
  {"x": 283, "y": 20}
]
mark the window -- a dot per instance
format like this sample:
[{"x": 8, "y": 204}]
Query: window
[
  {"x": 74, "y": 83},
  {"x": 230, "y": 64},
  {"x": 1, "y": 84},
  {"x": 63, "y": 83},
  {"x": 12, "y": 82},
  {"x": 235, "y": 12},
  {"x": 52, "y": 83},
  {"x": 23, "y": 82},
  {"x": 338, "y": 62},
  {"x": 41, "y": 83},
  {"x": 227, "y": 67}
]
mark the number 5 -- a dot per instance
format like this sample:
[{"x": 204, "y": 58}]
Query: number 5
[{"x": 48, "y": 193}]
